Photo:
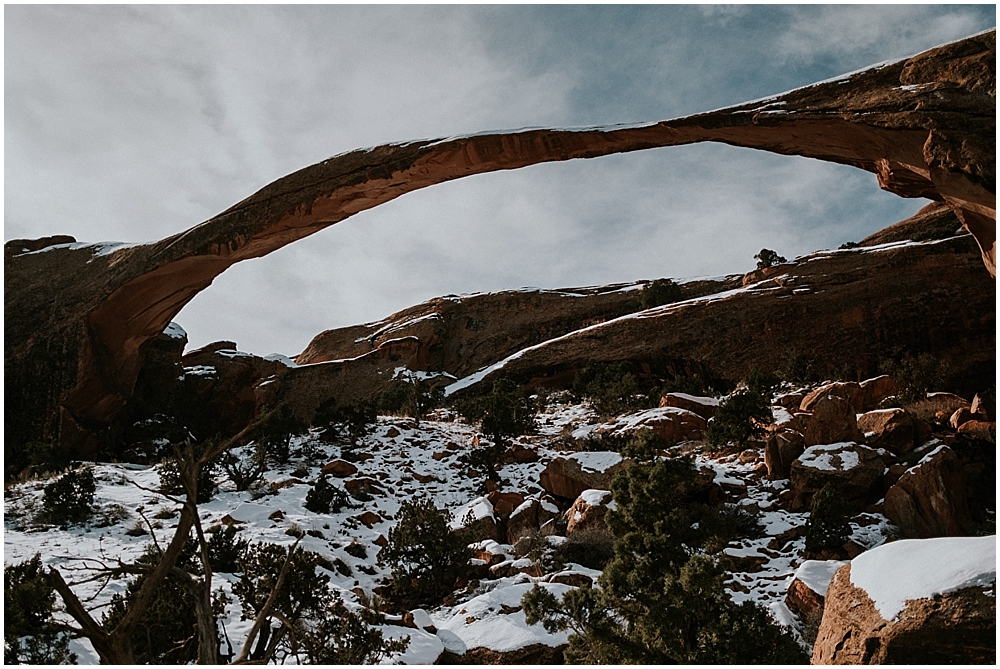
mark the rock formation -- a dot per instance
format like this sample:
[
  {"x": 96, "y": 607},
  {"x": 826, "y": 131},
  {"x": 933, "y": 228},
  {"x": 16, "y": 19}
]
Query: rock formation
[{"x": 80, "y": 317}]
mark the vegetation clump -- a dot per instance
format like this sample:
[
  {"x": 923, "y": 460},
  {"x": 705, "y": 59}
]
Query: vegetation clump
[
  {"x": 659, "y": 292},
  {"x": 70, "y": 498},
  {"x": 28, "y": 631},
  {"x": 828, "y": 526},
  {"x": 426, "y": 557},
  {"x": 661, "y": 599},
  {"x": 916, "y": 375},
  {"x": 768, "y": 258},
  {"x": 324, "y": 497},
  {"x": 745, "y": 413}
]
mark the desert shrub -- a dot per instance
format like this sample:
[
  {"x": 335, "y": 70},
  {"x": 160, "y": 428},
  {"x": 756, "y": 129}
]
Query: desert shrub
[
  {"x": 275, "y": 435},
  {"x": 592, "y": 547},
  {"x": 356, "y": 549},
  {"x": 702, "y": 385},
  {"x": 916, "y": 376},
  {"x": 614, "y": 388},
  {"x": 412, "y": 396},
  {"x": 659, "y": 292},
  {"x": 70, "y": 498},
  {"x": 33, "y": 458},
  {"x": 167, "y": 631},
  {"x": 426, "y": 557},
  {"x": 768, "y": 258},
  {"x": 797, "y": 367},
  {"x": 721, "y": 525},
  {"x": 349, "y": 422},
  {"x": 225, "y": 550},
  {"x": 744, "y": 414},
  {"x": 324, "y": 497},
  {"x": 316, "y": 627},
  {"x": 660, "y": 601},
  {"x": 506, "y": 411},
  {"x": 170, "y": 480},
  {"x": 829, "y": 525},
  {"x": 28, "y": 633},
  {"x": 849, "y": 245},
  {"x": 245, "y": 466}
]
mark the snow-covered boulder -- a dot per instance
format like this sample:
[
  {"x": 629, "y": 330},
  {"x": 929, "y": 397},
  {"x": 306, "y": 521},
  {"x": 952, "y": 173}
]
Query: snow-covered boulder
[
  {"x": 853, "y": 469},
  {"x": 588, "y": 511},
  {"x": 807, "y": 590},
  {"x": 569, "y": 476},
  {"x": 916, "y": 601}
]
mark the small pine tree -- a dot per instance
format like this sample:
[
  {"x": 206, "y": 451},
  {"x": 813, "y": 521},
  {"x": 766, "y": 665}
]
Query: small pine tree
[
  {"x": 768, "y": 258},
  {"x": 28, "y": 633},
  {"x": 828, "y": 525},
  {"x": 325, "y": 497},
  {"x": 350, "y": 422},
  {"x": 275, "y": 435},
  {"x": 659, "y": 292},
  {"x": 741, "y": 416},
  {"x": 225, "y": 550},
  {"x": 70, "y": 498},
  {"x": 426, "y": 557}
]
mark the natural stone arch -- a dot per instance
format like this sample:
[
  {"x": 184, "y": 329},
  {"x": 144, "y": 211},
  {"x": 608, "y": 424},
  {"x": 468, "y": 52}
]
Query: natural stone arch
[{"x": 78, "y": 318}]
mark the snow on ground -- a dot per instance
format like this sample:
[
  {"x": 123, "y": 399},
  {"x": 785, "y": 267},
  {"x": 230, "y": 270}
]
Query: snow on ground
[
  {"x": 922, "y": 568},
  {"x": 403, "y": 460},
  {"x": 817, "y": 574}
]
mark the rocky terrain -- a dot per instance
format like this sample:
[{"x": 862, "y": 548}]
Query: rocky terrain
[{"x": 880, "y": 359}]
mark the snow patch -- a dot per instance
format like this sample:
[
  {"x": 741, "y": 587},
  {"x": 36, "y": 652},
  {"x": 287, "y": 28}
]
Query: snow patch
[
  {"x": 922, "y": 568},
  {"x": 175, "y": 331},
  {"x": 817, "y": 574}
]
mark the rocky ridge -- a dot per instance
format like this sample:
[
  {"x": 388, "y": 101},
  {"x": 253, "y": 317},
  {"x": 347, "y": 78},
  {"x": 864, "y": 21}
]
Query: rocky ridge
[{"x": 85, "y": 314}]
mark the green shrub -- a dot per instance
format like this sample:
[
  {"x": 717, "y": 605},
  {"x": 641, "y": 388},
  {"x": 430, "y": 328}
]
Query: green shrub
[
  {"x": 829, "y": 525},
  {"x": 167, "y": 631},
  {"x": 324, "y": 497},
  {"x": 322, "y": 630},
  {"x": 426, "y": 557},
  {"x": 245, "y": 466},
  {"x": 28, "y": 633},
  {"x": 614, "y": 388},
  {"x": 660, "y": 601},
  {"x": 659, "y": 292},
  {"x": 768, "y": 258},
  {"x": 592, "y": 547},
  {"x": 70, "y": 498},
  {"x": 744, "y": 414},
  {"x": 170, "y": 480},
  {"x": 916, "y": 376},
  {"x": 797, "y": 367},
  {"x": 275, "y": 435},
  {"x": 225, "y": 550},
  {"x": 349, "y": 422}
]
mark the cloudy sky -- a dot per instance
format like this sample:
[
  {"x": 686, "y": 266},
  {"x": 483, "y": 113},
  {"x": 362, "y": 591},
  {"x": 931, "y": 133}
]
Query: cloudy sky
[{"x": 133, "y": 123}]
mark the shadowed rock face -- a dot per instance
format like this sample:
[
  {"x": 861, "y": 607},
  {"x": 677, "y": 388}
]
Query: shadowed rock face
[{"x": 79, "y": 316}]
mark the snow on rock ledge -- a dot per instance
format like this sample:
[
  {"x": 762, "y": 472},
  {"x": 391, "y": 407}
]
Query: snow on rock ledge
[{"x": 922, "y": 568}]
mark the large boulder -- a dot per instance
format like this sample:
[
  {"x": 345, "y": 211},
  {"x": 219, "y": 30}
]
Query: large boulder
[
  {"x": 806, "y": 592},
  {"x": 891, "y": 429},
  {"x": 854, "y": 470},
  {"x": 846, "y": 390},
  {"x": 833, "y": 420},
  {"x": 588, "y": 511},
  {"x": 873, "y": 391},
  {"x": 703, "y": 406},
  {"x": 929, "y": 499},
  {"x": 925, "y": 601},
  {"x": 569, "y": 476},
  {"x": 672, "y": 423},
  {"x": 780, "y": 450}
]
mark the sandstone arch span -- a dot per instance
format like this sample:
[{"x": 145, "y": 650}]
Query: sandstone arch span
[{"x": 79, "y": 316}]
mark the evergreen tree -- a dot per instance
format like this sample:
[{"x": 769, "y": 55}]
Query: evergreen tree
[
  {"x": 427, "y": 558},
  {"x": 70, "y": 498},
  {"x": 28, "y": 634},
  {"x": 661, "y": 599},
  {"x": 743, "y": 414},
  {"x": 828, "y": 525},
  {"x": 660, "y": 291},
  {"x": 768, "y": 258}
]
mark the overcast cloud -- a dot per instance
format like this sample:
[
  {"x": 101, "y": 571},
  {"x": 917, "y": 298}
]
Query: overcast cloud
[{"x": 134, "y": 123}]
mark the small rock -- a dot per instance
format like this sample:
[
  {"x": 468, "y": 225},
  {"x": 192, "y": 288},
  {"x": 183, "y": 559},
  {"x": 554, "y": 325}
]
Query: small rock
[{"x": 339, "y": 468}]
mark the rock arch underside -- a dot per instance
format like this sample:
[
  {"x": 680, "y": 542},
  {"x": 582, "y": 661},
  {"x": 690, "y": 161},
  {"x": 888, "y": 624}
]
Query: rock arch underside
[{"x": 79, "y": 318}]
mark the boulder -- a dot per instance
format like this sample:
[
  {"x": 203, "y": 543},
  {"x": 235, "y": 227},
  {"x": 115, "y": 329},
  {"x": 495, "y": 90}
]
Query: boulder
[
  {"x": 929, "y": 499},
  {"x": 361, "y": 486},
  {"x": 588, "y": 511},
  {"x": 523, "y": 521},
  {"x": 569, "y": 476},
  {"x": 341, "y": 469},
  {"x": 575, "y": 578},
  {"x": 961, "y": 416},
  {"x": 780, "y": 450},
  {"x": 854, "y": 470},
  {"x": 519, "y": 454},
  {"x": 927, "y": 601},
  {"x": 873, "y": 391},
  {"x": 846, "y": 390},
  {"x": 369, "y": 519},
  {"x": 891, "y": 429},
  {"x": 833, "y": 420},
  {"x": 671, "y": 423},
  {"x": 504, "y": 503},
  {"x": 983, "y": 407},
  {"x": 807, "y": 591},
  {"x": 703, "y": 406},
  {"x": 979, "y": 429}
]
